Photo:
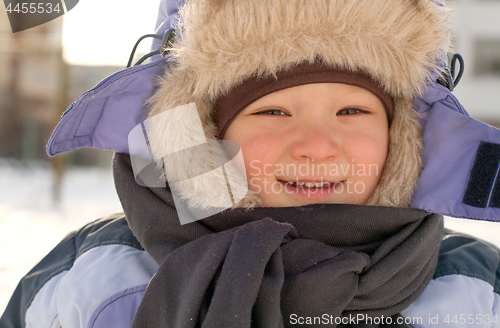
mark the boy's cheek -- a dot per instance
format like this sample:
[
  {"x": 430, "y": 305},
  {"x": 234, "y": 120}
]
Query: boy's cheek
[
  {"x": 258, "y": 171},
  {"x": 254, "y": 185},
  {"x": 369, "y": 150},
  {"x": 258, "y": 155}
]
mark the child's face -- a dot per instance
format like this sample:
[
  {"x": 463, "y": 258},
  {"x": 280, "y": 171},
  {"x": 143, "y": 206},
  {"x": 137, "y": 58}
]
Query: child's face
[{"x": 324, "y": 132}]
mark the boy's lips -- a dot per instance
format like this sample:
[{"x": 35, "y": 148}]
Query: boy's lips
[
  {"x": 312, "y": 188},
  {"x": 308, "y": 182}
]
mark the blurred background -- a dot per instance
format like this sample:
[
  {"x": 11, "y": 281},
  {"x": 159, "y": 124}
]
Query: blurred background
[
  {"x": 42, "y": 71},
  {"x": 45, "y": 68}
]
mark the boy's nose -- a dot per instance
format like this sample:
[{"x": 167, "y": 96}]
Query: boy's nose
[{"x": 315, "y": 144}]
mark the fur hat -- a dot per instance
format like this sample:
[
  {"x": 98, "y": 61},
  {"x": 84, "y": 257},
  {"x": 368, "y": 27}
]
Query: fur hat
[{"x": 399, "y": 44}]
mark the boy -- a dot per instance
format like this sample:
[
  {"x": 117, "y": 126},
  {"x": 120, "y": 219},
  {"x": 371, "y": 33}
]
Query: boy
[
  {"x": 325, "y": 85},
  {"x": 286, "y": 130}
]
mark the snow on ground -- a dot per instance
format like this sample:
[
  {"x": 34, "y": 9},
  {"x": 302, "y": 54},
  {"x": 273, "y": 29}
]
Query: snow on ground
[{"x": 31, "y": 225}]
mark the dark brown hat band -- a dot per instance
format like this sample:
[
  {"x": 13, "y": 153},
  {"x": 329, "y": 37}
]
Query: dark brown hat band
[{"x": 228, "y": 106}]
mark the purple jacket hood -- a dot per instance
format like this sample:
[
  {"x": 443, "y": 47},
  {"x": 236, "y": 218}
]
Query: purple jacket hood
[{"x": 461, "y": 155}]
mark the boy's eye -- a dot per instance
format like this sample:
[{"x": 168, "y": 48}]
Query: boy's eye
[
  {"x": 349, "y": 111},
  {"x": 272, "y": 112}
]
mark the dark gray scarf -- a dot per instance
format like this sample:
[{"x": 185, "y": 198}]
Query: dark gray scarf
[{"x": 265, "y": 267}]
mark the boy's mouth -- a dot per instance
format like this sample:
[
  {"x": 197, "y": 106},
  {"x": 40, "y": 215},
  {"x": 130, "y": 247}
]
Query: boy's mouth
[
  {"x": 309, "y": 185},
  {"x": 318, "y": 185},
  {"x": 312, "y": 190}
]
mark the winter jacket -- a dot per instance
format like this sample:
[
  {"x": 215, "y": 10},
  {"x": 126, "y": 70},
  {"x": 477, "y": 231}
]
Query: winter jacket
[{"x": 97, "y": 276}]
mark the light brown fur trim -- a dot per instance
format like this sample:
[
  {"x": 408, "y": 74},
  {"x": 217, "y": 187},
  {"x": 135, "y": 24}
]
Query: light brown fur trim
[
  {"x": 224, "y": 42},
  {"x": 404, "y": 160}
]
